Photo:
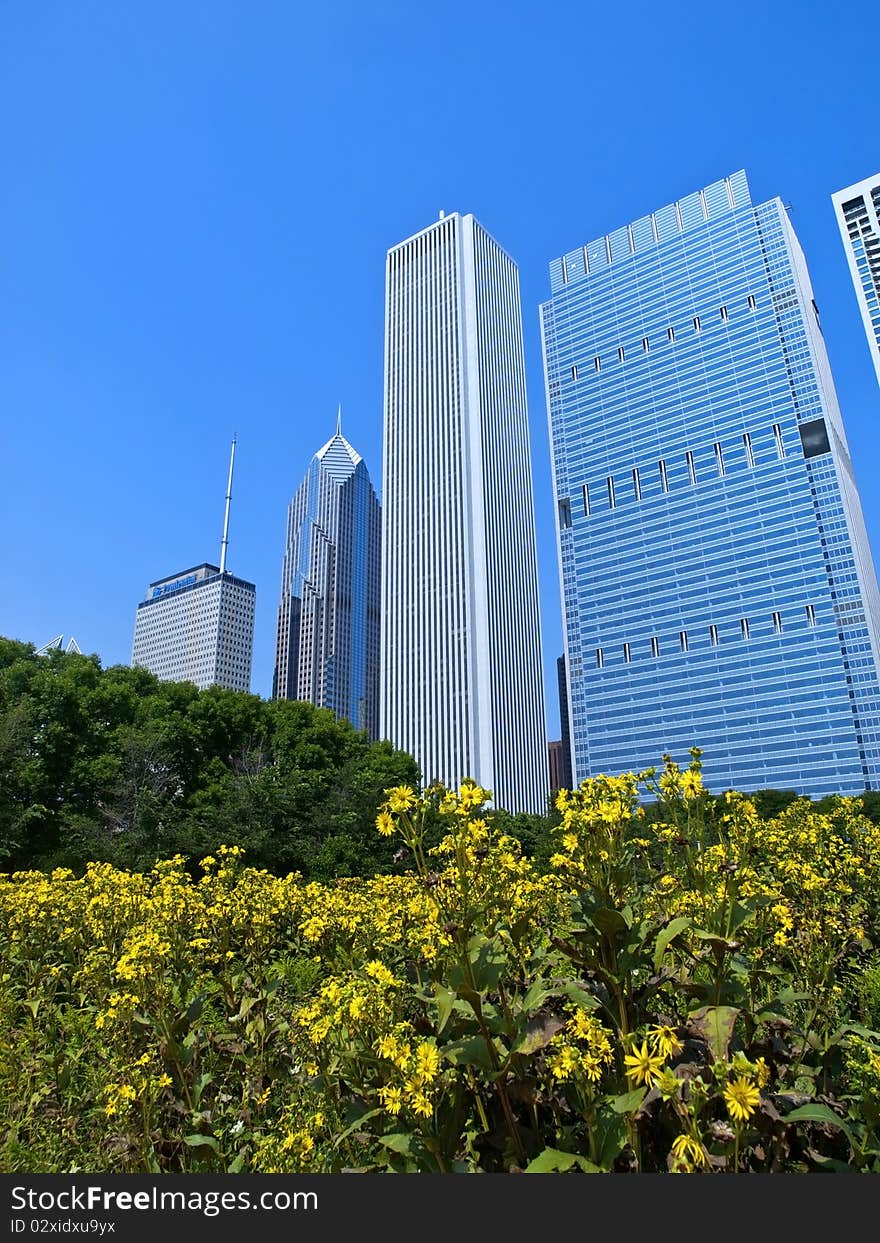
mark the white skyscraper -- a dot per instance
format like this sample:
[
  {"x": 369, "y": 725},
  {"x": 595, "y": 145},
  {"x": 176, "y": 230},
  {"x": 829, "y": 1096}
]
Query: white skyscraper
[
  {"x": 461, "y": 678},
  {"x": 197, "y": 626},
  {"x": 858, "y": 216}
]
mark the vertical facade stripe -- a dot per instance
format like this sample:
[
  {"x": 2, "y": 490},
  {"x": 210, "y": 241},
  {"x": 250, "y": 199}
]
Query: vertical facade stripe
[{"x": 461, "y": 677}]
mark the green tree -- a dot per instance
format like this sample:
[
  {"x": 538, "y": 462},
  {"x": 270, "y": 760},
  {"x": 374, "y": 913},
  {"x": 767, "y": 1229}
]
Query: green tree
[{"x": 114, "y": 764}]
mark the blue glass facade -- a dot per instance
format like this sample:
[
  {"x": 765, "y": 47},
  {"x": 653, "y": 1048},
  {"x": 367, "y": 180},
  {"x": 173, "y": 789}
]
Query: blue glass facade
[
  {"x": 717, "y": 583},
  {"x": 327, "y": 640}
]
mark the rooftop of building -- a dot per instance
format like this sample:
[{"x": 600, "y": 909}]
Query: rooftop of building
[
  {"x": 337, "y": 456},
  {"x": 713, "y": 201}
]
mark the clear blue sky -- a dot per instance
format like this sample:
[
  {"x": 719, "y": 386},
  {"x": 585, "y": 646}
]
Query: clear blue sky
[{"x": 196, "y": 202}]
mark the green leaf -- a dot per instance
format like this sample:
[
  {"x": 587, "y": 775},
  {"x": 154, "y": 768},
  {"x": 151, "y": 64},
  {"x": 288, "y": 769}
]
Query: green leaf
[
  {"x": 830, "y": 1165},
  {"x": 610, "y": 1134},
  {"x": 553, "y": 1161},
  {"x": 535, "y": 997},
  {"x": 820, "y": 1113},
  {"x": 362, "y": 1116},
  {"x": 712, "y": 938},
  {"x": 194, "y": 1009},
  {"x": 741, "y": 914},
  {"x": 201, "y": 1141},
  {"x": 236, "y": 1166},
  {"x": 444, "y": 1001},
  {"x": 401, "y": 1142},
  {"x": 201, "y": 1083},
  {"x": 847, "y": 1029},
  {"x": 579, "y": 996},
  {"x": 609, "y": 921},
  {"x": 629, "y": 1102},
  {"x": 538, "y": 1033},
  {"x": 247, "y": 1004},
  {"x": 715, "y": 1025},
  {"x": 666, "y": 936},
  {"x": 489, "y": 962},
  {"x": 472, "y": 1052},
  {"x": 776, "y": 1007}
]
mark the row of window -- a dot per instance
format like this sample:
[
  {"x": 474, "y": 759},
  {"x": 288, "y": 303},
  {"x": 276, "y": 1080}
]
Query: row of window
[
  {"x": 714, "y": 637},
  {"x": 611, "y": 486},
  {"x": 697, "y": 325}
]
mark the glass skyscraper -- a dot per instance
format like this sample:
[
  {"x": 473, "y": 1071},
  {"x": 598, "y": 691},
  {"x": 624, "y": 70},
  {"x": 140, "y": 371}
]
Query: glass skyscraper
[
  {"x": 327, "y": 637},
  {"x": 858, "y": 215},
  {"x": 717, "y": 582},
  {"x": 462, "y": 684}
]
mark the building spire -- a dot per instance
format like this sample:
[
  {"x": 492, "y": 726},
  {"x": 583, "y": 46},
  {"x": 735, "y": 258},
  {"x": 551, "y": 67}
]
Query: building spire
[
  {"x": 339, "y": 420},
  {"x": 225, "y": 539}
]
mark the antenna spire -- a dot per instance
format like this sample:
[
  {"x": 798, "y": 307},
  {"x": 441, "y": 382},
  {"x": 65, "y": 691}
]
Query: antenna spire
[
  {"x": 225, "y": 539},
  {"x": 339, "y": 420}
]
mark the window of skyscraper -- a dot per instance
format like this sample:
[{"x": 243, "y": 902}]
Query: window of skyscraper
[{"x": 814, "y": 438}]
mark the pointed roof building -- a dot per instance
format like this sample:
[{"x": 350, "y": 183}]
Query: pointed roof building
[{"x": 327, "y": 637}]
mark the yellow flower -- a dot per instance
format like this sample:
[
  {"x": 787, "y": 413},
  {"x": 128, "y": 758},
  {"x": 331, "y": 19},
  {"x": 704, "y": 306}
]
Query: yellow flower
[
  {"x": 379, "y": 972},
  {"x": 427, "y": 1062},
  {"x": 401, "y": 798},
  {"x": 470, "y": 796},
  {"x": 664, "y": 1041},
  {"x": 689, "y": 1154},
  {"x": 392, "y": 1099},
  {"x": 691, "y": 784},
  {"x": 385, "y": 824},
  {"x": 762, "y": 1073},
  {"x": 118, "y": 1096},
  {"x": 421, "y": 1105},
  {"x": 742, "y": 1099},
  {"x": 642, "y": 1065},
  {"x": 565, "y": 1064},
  {"x": 591, "y": 1066}
]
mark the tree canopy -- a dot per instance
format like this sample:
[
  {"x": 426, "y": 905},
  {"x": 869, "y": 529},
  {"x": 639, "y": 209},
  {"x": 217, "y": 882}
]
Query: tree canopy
[{"x": 112, "y": 764}]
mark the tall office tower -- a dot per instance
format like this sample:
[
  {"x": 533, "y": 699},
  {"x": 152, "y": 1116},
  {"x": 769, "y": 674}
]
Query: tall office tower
[
  {"x": 556, "y": 763},
  {"x": 327, "y": 639},
  {"x": 198, "y": 625},
  {"x": 717, "y": 582},
  {"x": 858, "y": 215},
  {"x": 462, "y": 685}
]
